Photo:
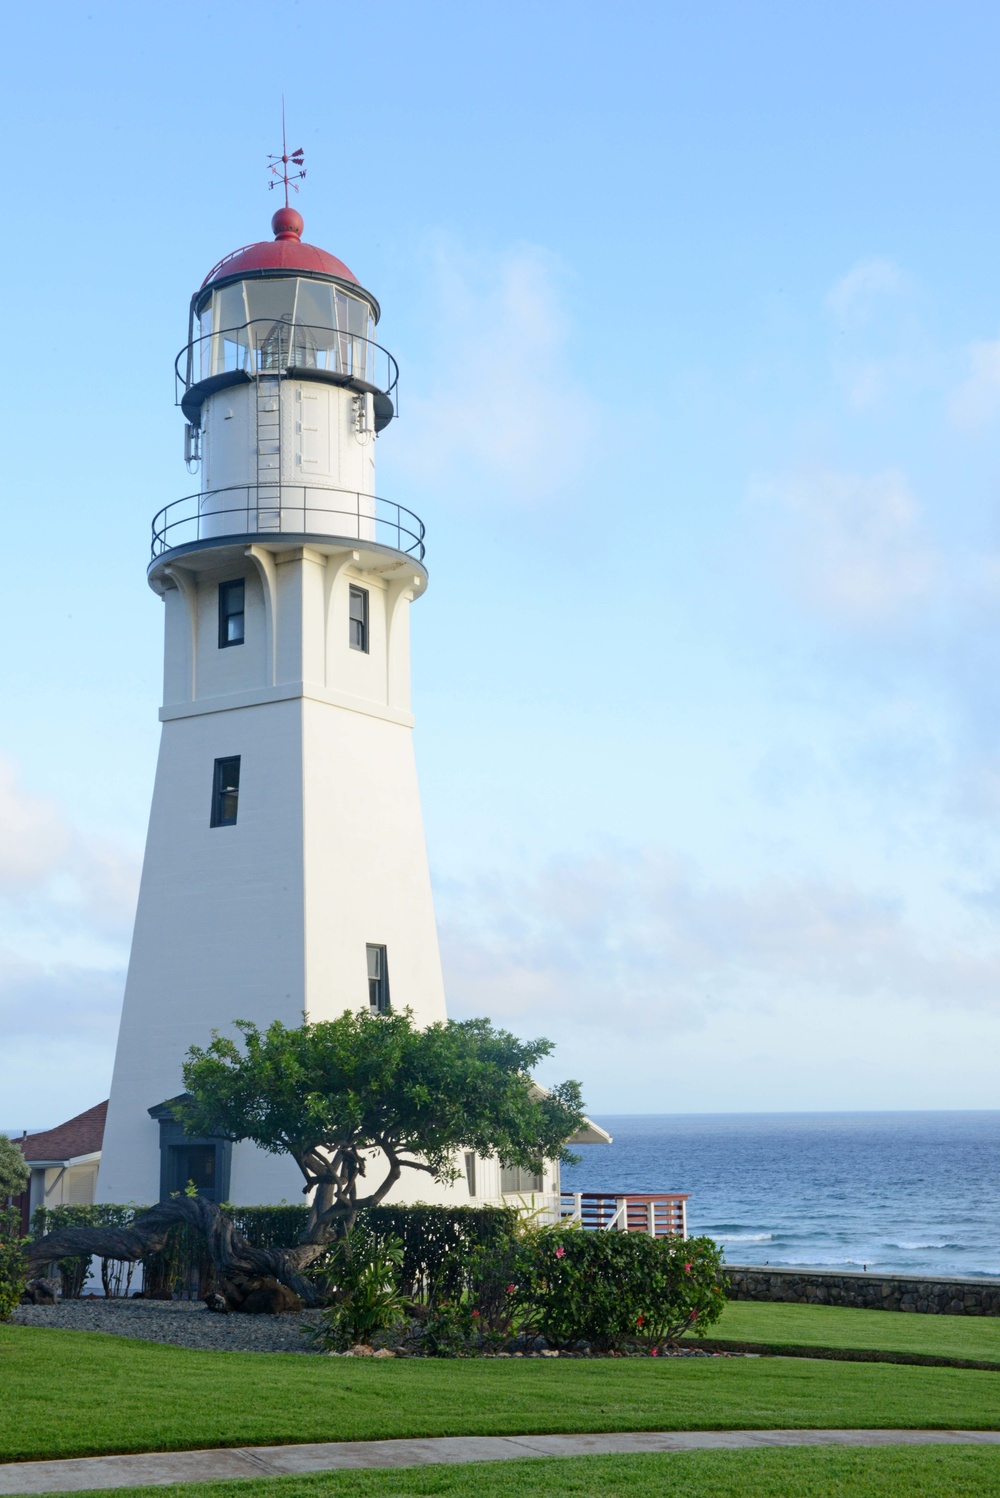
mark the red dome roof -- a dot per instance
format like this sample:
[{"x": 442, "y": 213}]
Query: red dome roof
[{"x": 285, "y": 252}]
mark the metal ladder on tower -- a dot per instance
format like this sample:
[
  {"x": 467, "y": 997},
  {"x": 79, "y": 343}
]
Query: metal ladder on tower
[{"x": 271, "y": 361}]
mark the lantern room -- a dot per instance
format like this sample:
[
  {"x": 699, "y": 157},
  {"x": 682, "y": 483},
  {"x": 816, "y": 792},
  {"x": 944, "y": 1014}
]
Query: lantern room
[{"x": 284, "y": 390}]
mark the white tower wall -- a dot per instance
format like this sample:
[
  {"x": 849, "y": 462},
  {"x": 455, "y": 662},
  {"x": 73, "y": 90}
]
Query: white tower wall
[{"x": 270, "y": 918}]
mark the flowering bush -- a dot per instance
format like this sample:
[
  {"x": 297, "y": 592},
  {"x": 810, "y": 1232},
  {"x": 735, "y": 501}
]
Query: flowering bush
[{"x": 609, "y": 1288}]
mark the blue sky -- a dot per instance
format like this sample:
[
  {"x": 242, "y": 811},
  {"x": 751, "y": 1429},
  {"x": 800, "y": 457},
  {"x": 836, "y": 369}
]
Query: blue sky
[{"x": 698, "y": 316}]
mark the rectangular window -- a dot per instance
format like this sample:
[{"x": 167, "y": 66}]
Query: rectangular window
[
  {"x": 378, "y": 980},
  {"x": 226, "y": 791},
  {"x": 470, "y": 1171},
  {"x": 515, "y": 1178},
  {"x": 359, "y": 618},
  {"x": 231, "y": 613}
]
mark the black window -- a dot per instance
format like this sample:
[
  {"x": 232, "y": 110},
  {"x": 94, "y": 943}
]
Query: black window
[
  {"x": 359, "y": 619},
  {"x": 231, "y": 613},
  {"x": 470, "y": 1171},
  {"x": 193, "y": 1164},
  {"x": 226, "y": 791},
  {"x": 378, "y": 980}
]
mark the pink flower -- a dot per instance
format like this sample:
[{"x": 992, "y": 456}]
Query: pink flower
[
  {"x": 687, "y": 1268},
  {"x": 475, "y": 1313},
  {"x": 654, "y": 1352},
  {"x": 560, "y": 1252},
  {"x": 694, "y": 1315},
  {"x": 511, "y": 1289},
  {"x": 640, "y": 1320}
]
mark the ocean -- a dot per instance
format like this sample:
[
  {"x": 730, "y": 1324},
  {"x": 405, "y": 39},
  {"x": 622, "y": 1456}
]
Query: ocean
[{"x": 887, "y": 1191}]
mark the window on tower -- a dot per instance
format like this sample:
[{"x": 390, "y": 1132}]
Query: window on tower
[
  {"x": 231, "y": 613},
  {"x": 359, "y": 618},
  {"x": 378, "y": 980},
  {"x": 226, "y": 791}
]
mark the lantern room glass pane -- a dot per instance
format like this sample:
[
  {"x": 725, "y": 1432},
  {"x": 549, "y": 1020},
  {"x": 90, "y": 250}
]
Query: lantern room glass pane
[
  {"x": 314, "y": 304},
  {"x": 274, "y": 300}
]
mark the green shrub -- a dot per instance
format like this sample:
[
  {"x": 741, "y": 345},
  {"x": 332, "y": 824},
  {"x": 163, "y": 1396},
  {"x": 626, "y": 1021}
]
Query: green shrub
[
  {"x": 612, "y": 1288},
  {"x": 13, "y": 1265},
  {"x": 441, "y": 1245},
  {"x": 364, "y": 1276},
  {"x": 269, "y": 1227},
  {"x": 449, "y": 1329}
]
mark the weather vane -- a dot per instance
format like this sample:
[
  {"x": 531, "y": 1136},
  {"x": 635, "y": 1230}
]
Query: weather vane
[{"x": 278, "y": 165}]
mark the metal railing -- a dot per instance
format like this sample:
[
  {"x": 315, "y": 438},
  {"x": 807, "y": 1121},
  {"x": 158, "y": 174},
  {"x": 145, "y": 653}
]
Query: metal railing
[
  {"x": 269, "y": 346},
  {"x": 294, "y": 509},
  {"x": 660, "y": 1215}
]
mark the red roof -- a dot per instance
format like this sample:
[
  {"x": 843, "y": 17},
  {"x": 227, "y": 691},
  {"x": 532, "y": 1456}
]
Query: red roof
[
  {"x": 82, "y": 1135},
  {"x": 284, "y": 252}
]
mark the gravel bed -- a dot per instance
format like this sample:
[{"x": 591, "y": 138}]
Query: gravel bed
[
  {"x": 188, "y": 1323},
  {"x": 184, "y": 1323}
]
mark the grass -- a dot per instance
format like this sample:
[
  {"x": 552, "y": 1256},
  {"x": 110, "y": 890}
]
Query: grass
[
  {"x": 976, "y": 1337},
  {"x": 894, "y": 1471},
  {"x": 81, "y": 1393}
]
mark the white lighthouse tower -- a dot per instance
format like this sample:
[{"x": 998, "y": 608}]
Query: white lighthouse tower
[{"x": 285, "y": 871}]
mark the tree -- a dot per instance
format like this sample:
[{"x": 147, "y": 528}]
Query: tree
[
  {"x": 371, "y": 1096},
  {"x": 14, "y": 1170},
  {"x": 355, "y": 1101}
]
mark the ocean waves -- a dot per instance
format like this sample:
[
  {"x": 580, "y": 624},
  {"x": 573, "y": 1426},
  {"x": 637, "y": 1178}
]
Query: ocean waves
[{"x": 895, "y": 1192}]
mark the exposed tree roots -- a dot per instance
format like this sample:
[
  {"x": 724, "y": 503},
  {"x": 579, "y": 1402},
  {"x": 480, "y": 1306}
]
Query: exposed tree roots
[{"x": 239, "y": 1266}]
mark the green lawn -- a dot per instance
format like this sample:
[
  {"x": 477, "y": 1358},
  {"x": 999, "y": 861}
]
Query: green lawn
[
  {"x": 894, "y": 1472},
  {"x": 833, "y": 1326},
  {"x": 79, "y": 1393}
]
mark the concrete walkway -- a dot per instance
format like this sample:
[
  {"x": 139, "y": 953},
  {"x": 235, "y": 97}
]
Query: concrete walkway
[{"x": 154, "y": 1469}]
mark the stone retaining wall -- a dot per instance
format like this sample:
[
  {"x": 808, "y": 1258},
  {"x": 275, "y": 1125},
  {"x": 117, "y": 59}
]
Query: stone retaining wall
[{"x": 874, "y": 1292}]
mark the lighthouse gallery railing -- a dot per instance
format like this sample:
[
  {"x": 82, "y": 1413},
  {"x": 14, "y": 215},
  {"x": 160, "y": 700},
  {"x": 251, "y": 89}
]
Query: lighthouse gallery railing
[
  {"x": 287, "y": 509},
  {"x": 268, "y": 345}
]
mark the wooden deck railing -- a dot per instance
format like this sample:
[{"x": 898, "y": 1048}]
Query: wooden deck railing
[{"x": 661, "y": 1215}]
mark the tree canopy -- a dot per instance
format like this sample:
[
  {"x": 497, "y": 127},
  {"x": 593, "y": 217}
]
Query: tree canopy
[
  {"x": 332, "y": 1094},
  {"x": 14, "y": 1171}
]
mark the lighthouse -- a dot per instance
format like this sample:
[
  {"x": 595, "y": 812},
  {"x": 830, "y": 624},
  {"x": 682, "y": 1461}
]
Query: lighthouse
[{"x": 285, "y": 872}]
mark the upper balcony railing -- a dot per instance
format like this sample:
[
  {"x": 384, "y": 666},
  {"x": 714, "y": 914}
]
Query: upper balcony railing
[
  {"x": 269, "y": 346},
  {"x": 659, "y": 1214},
  {"x": 287, "y": 510}
]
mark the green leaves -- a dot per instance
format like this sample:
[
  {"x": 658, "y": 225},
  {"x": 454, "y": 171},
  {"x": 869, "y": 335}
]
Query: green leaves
[
  {"x": 14, "y": 1171},
  {"x": 607, "y": 1288},
  {"x": 330, "y": 1094}
]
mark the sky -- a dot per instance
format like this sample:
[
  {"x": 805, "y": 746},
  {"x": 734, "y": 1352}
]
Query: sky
[{"x": 697, "y": 310}]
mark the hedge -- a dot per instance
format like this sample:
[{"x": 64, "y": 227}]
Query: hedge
[{"x": 438, "y": 1245}]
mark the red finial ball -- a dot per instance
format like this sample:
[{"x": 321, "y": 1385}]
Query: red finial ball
[{"x": 287, "y": 224}]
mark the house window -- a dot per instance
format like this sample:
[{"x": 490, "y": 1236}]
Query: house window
[
  {"x": 378, "y": 980},
  {"x": 470, "y": 1171},
  {"x": 515, "y": 1179},
  {"x": 359, "y": 618},
  {"x": 226, "y": 791},
  {"x": 231, "y": 613}
]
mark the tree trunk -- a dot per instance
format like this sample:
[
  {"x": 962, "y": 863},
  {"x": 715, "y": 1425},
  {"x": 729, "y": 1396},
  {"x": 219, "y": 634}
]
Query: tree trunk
[{"x": 237, "y": 1263}]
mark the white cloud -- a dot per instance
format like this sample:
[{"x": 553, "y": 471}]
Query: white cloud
[
  {"x": 66, "y": 906},
  {"x": 504, "y": 410},
  {"x": 34, "y": 837},
  {"x": 849, "y": 546},
  {"x": 854, "y": 297},
  {"x": 976, "y": 401},
  {"x": 635, "y": 943}
]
